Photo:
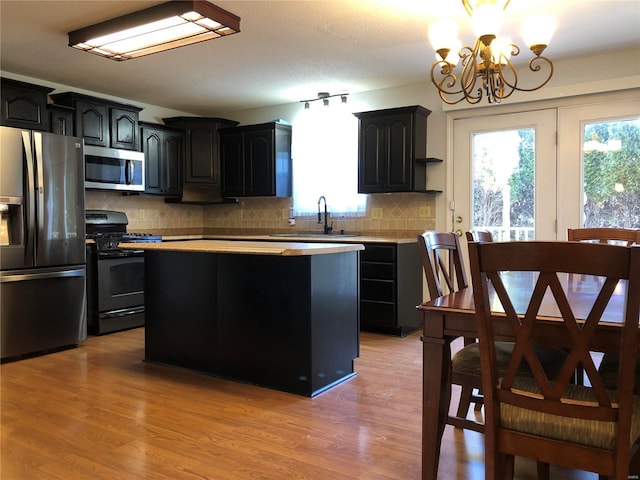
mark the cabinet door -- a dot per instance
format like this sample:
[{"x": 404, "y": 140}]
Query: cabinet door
[
  {"x": 399, "y": 154},
  {"x": 172, "y": 162},
  {"x": 259, "y": 163},
  {"x": 371, "y": 155},
  {"x": 124, "y": 129},
  {"x": 202, "y": 164},
  {"x": 152, "y": 141},
  {"x": 92, "y": 123},
  {"x": 232, "y": 164},
  {"x": 60, "y": 120},
  {"x": 23, "y": 108}
]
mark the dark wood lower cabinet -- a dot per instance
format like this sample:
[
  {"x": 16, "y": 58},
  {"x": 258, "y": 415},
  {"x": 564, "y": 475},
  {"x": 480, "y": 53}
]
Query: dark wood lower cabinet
[
  {"x": 288, "y": 323},
  {"x": 390, "y": 288}
]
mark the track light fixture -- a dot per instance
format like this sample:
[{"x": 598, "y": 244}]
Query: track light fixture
[{"x": 324, "y": 96}]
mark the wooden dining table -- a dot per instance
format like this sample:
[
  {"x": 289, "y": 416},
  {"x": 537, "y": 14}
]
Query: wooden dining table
[{"x": 451, "y": 316}]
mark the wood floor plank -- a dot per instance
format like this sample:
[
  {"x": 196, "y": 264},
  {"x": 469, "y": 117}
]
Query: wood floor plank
[{"x": 100, "y": 412}]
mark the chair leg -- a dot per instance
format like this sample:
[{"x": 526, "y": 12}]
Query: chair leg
[
  {"x": 478, "y": 401},
  {"x": 465, "y": 401},
  {"x": 507, "y": 466},
  {"x": 543, "y": 471}
]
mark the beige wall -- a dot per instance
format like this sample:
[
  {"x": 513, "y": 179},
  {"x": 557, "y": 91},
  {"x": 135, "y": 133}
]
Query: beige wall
[{"x": 399, "y": 212}]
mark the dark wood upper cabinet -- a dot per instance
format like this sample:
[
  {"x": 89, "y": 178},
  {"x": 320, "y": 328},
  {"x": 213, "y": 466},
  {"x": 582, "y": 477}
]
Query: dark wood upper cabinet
[
  {"x": 61, "y": 119},
  {"x": 201, "y": 150},
  {"x": 392, "y": 150},
  {"x": 163, "y": 150},
  {"x": 24, "y": 105},
  {"x": 256, "y": 160},
  {"x": 103, "y": 123},
  {"x": 124, "y": 128}
]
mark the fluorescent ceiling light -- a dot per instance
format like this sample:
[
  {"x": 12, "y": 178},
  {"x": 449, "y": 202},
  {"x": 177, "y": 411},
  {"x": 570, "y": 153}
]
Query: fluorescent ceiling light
[{"x": 156, "y": 29}]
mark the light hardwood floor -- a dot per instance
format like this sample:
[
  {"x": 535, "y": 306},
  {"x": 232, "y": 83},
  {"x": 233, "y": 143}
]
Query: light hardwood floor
[{"x": 100, "y": 412}]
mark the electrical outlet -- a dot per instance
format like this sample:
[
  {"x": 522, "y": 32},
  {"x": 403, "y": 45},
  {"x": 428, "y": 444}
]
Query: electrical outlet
[
  {"x": 376, "y": 213},
  {"x": 424, "y": 212}
]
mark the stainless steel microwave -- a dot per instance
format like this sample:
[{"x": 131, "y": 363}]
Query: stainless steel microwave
[{"x": 113, "y": 169}]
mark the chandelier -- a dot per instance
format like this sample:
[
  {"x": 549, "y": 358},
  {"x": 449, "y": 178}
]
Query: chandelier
[{"x": 486, "y": 68}]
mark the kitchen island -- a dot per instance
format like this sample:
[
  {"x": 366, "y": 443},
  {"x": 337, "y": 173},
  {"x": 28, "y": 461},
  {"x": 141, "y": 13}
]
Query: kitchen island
[{"x": 282, "y": 315}]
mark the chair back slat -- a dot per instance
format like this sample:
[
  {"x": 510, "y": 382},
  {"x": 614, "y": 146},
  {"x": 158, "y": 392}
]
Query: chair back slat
[{"x": 442, "y": 262}]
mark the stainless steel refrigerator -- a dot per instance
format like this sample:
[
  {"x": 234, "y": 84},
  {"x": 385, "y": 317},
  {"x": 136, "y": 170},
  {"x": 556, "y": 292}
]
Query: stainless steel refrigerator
[{"x": 42, "y": 242}]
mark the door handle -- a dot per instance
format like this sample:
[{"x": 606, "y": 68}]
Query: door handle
[{"x": 458, "y": 232}]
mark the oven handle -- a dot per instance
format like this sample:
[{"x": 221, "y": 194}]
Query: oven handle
[{"x": 125, "y": 312}]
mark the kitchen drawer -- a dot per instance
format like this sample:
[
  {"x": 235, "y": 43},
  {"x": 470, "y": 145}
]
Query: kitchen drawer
[
  {"x": 378, "y": 253},
  {"x": 378, "y": 290},
  {"x": 376, "y": 270}
]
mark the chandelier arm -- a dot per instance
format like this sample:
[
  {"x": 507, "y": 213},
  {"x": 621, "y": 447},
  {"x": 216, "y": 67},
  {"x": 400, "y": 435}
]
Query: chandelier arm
[
  {"x": 471, "y": 70},
  {"x": 534, "y": 66},
  {"x": 446, "y": 84},
  {"x": 503, "y": 79}
]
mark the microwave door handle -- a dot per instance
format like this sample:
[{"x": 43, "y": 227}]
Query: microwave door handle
[{"x": 129, "y": 171}]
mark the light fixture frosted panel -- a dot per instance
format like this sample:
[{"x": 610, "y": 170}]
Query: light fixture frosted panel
[{"x": 163, "y": 27}]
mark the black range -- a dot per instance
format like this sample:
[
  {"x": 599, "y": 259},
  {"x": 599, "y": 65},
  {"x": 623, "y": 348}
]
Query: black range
[{"x": 115, "y": 277}]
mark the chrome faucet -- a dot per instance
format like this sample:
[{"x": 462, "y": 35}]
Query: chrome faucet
[{"x": 327, "y": 227}]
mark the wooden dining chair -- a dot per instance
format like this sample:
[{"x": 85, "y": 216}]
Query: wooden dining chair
[
  {"x": 479, "y": 236},
  {"x": 444, "y": 271},
  {"x": 610, "y": 362},
  {"x": 556, "y": 422},
  {"x": 625, "y": 236}
]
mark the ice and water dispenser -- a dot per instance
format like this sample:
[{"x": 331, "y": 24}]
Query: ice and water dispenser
[{"x": 11, "y": 218}]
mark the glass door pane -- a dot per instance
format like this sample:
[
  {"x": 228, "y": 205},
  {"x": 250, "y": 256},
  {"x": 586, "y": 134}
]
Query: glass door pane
[
  {"x": 599, "y": 166},
  {"x": 504, "y": 183},
  {"x": 611, "y": 174}
]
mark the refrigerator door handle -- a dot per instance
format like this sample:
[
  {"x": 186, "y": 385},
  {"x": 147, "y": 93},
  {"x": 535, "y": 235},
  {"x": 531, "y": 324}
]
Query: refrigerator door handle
[
  {"x": 30, "y": 193},
  {"x": 19, "y": 277},
  {"x": 37, "y": 137}
]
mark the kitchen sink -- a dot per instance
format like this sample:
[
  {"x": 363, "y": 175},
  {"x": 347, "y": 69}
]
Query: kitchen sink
[{"x": 314, "y": 235}]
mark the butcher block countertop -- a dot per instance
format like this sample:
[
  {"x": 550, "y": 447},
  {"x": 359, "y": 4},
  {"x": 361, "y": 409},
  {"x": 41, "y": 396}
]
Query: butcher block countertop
[
  {"x": 298, "y": 237},
  {"x": 279, "y": 248}
]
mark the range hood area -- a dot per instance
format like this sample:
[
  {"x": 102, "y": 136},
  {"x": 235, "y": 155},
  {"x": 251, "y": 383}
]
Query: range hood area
[{"x": 201, "y": 195}]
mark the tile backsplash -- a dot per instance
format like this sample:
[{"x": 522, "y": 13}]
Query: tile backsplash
[{"x": 401, "y": 214}]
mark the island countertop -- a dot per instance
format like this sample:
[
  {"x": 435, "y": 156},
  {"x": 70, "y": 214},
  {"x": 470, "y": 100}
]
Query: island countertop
[{"x": 246, "y": 247}]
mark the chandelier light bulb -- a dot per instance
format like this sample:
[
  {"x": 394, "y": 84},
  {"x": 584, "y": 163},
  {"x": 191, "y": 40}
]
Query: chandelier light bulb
[
  {"x": 501, "y": 50},
  {"x": 486, "y": 19},
  {"x": 443, "y": 34},
  {"x": 538, "y": 30}
]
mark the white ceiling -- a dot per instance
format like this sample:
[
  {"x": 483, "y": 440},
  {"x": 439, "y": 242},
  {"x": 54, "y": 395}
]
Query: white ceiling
[{"x": 286, "y": 50}]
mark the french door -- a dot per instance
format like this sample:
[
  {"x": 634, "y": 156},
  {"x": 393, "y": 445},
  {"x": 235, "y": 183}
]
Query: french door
[
  {"x": 504, "y": 175},
  {"x": 531, "y": 175}
]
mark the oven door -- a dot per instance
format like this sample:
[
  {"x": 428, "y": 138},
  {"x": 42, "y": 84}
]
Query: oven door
[{"x": 120, "y": 282}]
